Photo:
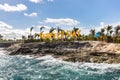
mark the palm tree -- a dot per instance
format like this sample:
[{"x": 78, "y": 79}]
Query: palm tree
[
  {"x": 117, "y": 34},
  {"x": 108, "y": 28},
  {"x": 117, "y": 29},
  {"x": 41, "y": 28},
  {"x": 30, "y": 36},
  {"x": 111, "y": 31},
  {"x": 23, "y": 38},
  {"x": 58, "y": 31},
  {"x": 1, "y": 37},
  {"x": 102, "y": 32},
  {"x": 75, "y": 31},
  {"x": 36, "y": 35},
  {"x": 51, "y": 32},
  {"x": 92, "y": 33},
  {"x": 51, "y": 29},
  {"x": 41, "y": 32},
  {"x": 31, "y": 30}
]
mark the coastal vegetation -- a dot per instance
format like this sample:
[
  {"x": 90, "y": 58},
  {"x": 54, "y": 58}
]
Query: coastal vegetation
[
  {"x": 70, "y": 45},
  {"x": 1, "y": 37},
  {"x": 107, "y": 34}
]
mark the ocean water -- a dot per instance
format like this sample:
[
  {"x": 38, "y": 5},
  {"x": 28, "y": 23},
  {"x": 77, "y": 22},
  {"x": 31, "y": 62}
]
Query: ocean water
[{"x": 49, "y": 68}]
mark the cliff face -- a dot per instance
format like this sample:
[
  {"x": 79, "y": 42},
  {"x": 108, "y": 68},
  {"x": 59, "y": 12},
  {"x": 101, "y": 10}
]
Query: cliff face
[{"x": 90, "y": 51}]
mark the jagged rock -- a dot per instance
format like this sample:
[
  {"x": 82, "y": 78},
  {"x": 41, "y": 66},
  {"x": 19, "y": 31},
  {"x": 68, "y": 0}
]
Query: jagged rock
[{"x": 84, "y": 51}]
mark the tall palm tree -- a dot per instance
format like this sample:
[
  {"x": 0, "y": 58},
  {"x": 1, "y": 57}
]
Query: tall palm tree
[
  {"x": 117, "y": 29},
  {"x": 65, "y": 35},
  {"x": 31, "y": 36},
  {"x": 58, "y": 31},
  {"x": 36, "y": 35},
  {"x": 117, "y": 33},
  {"x": 1, "y": 37},
  {"x": 41, "y": 28},
  {"x": 92, "y": 33},
  {"x": 75, "y": 30},
  {"x": 51, "y": 32},
  {"x": 23, "y": 38},
  {"x": 51, "y": 29},
  {"x": 41, "y": 32},
  {"x": 31, "y": 30},
  {"x": 102, "y": 32},
  {"x": 111, "y": 31},
  {"x": 108, "y": 28}
]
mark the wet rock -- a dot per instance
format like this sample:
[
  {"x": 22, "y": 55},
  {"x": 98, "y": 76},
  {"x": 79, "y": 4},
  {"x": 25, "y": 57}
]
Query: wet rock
[{"x": 70, "y": 51}]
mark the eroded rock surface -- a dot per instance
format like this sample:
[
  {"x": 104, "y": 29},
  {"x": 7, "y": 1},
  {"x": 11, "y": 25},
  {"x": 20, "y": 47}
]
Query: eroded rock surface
[{"x": 85, "y": 51}]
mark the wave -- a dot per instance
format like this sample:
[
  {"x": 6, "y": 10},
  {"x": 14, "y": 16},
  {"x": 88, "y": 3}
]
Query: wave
[
  {"x": 2, "y": 51},
  {"x": 49, "y": 68},
  {"x": 100, "y": 67}
]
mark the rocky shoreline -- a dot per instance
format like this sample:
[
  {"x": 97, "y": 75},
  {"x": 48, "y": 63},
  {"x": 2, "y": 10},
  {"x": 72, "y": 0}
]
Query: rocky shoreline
[{"x": 82, "y": 51}]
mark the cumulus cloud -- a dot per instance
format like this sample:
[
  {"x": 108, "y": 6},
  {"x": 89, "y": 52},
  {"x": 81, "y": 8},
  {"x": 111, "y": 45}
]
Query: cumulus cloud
[
  {"x": 36, "y": 1},
  {"x": 10, "y": 8},
  {"x": 4, "y": 25},
  {"x": 62, "y": 21},
  {"x": 34, "y": 14},
  {"x": 9, "y": 32}
]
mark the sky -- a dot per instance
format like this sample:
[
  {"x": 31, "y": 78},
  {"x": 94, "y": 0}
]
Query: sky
[{"x": 17, "y": 16}]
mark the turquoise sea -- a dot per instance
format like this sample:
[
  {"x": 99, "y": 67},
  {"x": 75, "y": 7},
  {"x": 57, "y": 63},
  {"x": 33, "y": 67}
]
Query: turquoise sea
[{"x": 49, "y": 68}]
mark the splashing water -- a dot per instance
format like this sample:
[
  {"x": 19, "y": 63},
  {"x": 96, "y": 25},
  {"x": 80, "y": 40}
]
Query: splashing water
[{"x": 49, "y": 68}]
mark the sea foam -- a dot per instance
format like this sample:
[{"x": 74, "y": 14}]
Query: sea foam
[{"x": 50, "y": 68}]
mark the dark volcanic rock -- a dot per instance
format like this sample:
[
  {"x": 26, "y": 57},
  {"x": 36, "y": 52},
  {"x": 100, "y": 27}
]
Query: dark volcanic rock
[{"x": 68, "y": 51}]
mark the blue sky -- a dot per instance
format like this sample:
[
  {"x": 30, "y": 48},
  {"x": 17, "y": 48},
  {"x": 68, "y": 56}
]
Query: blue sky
[{"x": 85, "y": 14}]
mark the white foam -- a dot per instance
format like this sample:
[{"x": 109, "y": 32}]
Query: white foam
[
  {"x": 26, "y": 56},
  {"x": 49, "y": 60},
  {"x": 2, "y": 52},
  {"x": 99, "y": 66}
]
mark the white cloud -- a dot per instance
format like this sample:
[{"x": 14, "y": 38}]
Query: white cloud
[
  {"x": 4, "y": 25},
  {"x": 46, "y": 27},
  {"x": 36, "y": 1},
  {"x": 8, "y": 8},
  {"x": 50, "y": 0},
  {"x": 62, "y": 21},
  {"x": 9, "y": 32},
  {"x": 39, "y": 1},
  {"x": 34, "y": 14}
]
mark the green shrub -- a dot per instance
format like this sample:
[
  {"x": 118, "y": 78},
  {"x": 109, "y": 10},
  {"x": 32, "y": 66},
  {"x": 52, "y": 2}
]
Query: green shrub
[{"x": 118, "y": 40}]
